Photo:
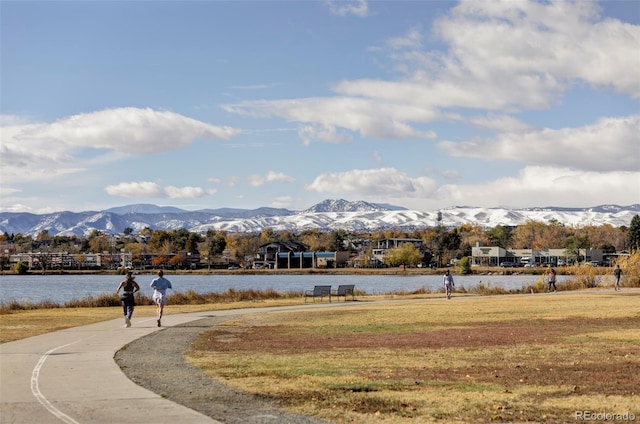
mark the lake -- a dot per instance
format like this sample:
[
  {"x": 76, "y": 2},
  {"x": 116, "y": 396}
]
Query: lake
[{"x": 62, "y": 288}]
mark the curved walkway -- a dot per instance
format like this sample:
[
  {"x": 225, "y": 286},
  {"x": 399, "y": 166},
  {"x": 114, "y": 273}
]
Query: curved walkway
[{"x": 70, "y": 375}]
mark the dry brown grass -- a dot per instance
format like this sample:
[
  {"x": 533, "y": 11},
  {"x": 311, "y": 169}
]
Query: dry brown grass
[
  {"x": 534, "y": 358},
  {"x": 20, "y": 323}
]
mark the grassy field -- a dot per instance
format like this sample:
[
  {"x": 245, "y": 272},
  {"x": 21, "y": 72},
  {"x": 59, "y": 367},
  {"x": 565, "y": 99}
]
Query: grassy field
[
  {"x": 540, "y": 358},
  {"x": 414, "y": 358}
]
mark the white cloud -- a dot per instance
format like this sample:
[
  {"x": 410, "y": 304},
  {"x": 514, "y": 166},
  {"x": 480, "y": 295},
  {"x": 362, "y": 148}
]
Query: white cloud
[
  {"x": 17, "y": 207},
  {"x": 413, "y": 40},
  {"x": 609, "y": 144},
  {"x": 542, "y": 44},
  {"x": 499, "y": 123},
  {"x": 153, "y": 190},
  {"x": 387, "y": 182},
  {"x": 325, "y": 133},
  {"x": 534, "y": 185},
  {"x": 282, "y": 202},
  {"x": 128, "y": 130},
  {"x": 371, "y": 118},
  {"x": 42, "y": 151},
  {"x": 256, "y": 180},
  {"x": 354, "y": 7},
  {"x": 501, "y": 56},
  {"x": 135, "y": 189},
  {"x": 548, "y": 186}
]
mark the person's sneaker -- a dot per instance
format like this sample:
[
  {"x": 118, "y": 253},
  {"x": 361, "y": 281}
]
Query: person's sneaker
[{"x": 158, "y": 323}]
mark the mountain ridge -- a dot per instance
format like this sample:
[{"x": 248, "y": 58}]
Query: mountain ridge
[{"x": 328, "y": 215}]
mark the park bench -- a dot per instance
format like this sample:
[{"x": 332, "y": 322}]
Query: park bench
[
  {"x": 344, "y": 290},
  {"x": 318, "y": 291}
]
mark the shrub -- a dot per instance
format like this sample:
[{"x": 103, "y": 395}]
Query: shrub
[
  {"x": 486, "y": 289},
  {"x": 630, "y": 266},
  {"x": 20, "y": 268},
  {"x": 464, "y": 266}
]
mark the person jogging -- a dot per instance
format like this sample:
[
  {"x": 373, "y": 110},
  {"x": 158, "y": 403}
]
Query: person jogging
[
  {"x": 618, "y": 274},
  {"x": 160, "y": 286},
  {"x": 129, "y": 287}
]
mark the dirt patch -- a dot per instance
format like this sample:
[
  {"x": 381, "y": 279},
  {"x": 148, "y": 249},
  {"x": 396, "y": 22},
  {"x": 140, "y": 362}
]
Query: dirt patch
[
  {"x": 171, "y": 377},
  {"x": 282, "y": 339},
  {"x": 610, "y": 376}
]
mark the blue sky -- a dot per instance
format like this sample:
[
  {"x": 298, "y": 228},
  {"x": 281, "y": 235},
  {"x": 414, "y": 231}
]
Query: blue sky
[{"x": 421, "y": 104}]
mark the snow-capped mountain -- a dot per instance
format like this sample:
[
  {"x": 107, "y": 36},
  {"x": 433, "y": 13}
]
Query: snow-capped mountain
[{"x": 357, "y": 216}]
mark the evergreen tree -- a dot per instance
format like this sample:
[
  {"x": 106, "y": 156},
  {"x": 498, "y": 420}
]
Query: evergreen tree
[{"x": 633, "y": 234}]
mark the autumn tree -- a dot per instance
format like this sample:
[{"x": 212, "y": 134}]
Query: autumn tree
[
  {"x": 161, "y": 242},
  {"x": 267, "y": 235},
  {"x": 471, "y": 234},
  {"x": 247, "y": 245},
  {"x": 313, "y": 239},
  {"x": 605, "y": 237},
  {"x": 137, "y": 251},
  {"x": 43, "y": 236},
  {"x": 99, "y": 244},
  {"x": 406, "y": 254},
  {"x": 178, "y": 261},
  {"x": 537, "y": 235},
  {"x": 499, "y": 236}
]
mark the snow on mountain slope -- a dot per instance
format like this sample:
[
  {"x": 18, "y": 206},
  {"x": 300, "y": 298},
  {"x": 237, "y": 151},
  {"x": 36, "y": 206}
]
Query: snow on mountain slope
[{"x": 325, "y": 216}]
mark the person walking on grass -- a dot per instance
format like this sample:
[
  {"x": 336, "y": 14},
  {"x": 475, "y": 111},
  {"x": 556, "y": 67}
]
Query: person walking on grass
[
  {"x": 551, "y": 278},
  {"x": 160, "y": 286},
  {"x": 448, "y": 284},
  {"x": 618, "y": 274},
  {"x": 129, "y": 287}
]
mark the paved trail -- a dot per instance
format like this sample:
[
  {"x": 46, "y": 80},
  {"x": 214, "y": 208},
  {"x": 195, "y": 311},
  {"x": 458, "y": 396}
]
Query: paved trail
[{"x": 70, "y": 376}]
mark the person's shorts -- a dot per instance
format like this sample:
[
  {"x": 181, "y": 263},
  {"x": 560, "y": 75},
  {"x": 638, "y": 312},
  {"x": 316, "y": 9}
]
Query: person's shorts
[{"x": 160, "y": 299}]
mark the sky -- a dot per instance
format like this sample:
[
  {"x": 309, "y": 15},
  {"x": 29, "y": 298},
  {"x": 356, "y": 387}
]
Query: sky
[{"x": 425, "y": 105}]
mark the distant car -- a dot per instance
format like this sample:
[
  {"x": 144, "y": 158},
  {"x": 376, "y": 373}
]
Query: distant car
[
  {"x": 233, "y": 267},
  {"x": 594, "y": 263},
  {"x": 530, "y": 265},
  {"x": 508, "y": 264}
]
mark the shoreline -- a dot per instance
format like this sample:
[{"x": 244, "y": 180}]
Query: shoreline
[{"x": 321, "y": 271}]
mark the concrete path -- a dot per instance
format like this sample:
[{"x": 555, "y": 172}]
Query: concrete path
[{"x": 70, "y": 376}]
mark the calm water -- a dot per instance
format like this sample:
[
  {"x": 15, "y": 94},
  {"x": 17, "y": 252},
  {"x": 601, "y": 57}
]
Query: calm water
[{"x": 62, "y": 288}]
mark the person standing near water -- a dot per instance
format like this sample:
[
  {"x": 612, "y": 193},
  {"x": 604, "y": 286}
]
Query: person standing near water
[
  {"x": 448, "y": 284},
  {"x": 129, "y": 287},
  {"x": 160, "y": 286},
  {"x": 551, "y": 278}
]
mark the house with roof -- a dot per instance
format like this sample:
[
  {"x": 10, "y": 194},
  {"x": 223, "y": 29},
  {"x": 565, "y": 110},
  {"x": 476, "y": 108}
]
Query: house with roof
[{"x": 295, "y": 255}]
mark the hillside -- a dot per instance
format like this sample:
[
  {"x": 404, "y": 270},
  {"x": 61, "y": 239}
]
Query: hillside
[{"x": 328, "y": 215}]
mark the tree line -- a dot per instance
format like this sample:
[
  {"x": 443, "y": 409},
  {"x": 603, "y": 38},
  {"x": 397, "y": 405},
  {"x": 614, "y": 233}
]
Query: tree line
[{"x": 445, "y": 243}]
